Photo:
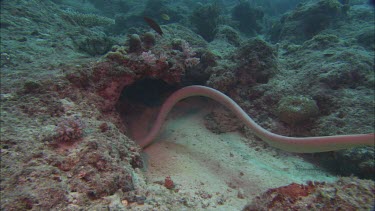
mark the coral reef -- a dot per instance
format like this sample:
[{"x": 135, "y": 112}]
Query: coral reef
[
  {"x": 367, "y": 38},
  {"x": 256, "y": 62},
  {"x": 306, "y": 21},
  {"x": 66, "y": 172},
  {"x": 135, "y": 43},
  {"x": 64, "y": 112},
  {"x": 69, "y": 130},
  {"x": 155, "y": 9},
  {"x": 206, "y": 19},
  {"x": 248, "y": 17},
  {"x": 95, "y": 45},
  {"x": 296, "y": 109},
  {"x": 149, "y": 39},
  {"x": 252, "y": 63},
  {"x": 111, "y": 7},
  {"x": 123, "y": 68},
  {"x": 87, "y": 20},
  {"x": 317, "y": 196},
  {"x": 230, "y": 35},
  {"x": 322, "y": 41},
  {"x": 32, "y": 87}
]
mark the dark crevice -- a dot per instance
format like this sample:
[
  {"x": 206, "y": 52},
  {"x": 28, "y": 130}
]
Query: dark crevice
[
  {"x": 148, "y": 92},
  {"x": 139, "y": 104}
]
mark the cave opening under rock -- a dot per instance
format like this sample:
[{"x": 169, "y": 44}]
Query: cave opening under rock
[{"x": 139, "y": 104}]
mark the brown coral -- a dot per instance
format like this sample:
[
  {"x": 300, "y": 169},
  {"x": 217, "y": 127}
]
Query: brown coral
[{"x": 345, "y": 194}]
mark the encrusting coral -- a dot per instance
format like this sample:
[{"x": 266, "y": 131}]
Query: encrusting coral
[
  {"x": 295, "y": 109},
  {"x": 314, "y": 195},
  {"x": 291, "y": 144},
  {"x": 88, "y": 20}
]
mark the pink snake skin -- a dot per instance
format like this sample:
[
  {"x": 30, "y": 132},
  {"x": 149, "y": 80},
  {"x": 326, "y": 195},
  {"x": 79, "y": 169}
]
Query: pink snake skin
[{"x": 290, "y": 144}]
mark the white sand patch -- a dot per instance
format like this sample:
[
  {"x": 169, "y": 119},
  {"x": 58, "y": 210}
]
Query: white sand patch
[{"x": 199, "y": 160}]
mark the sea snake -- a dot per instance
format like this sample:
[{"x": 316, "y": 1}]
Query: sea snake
[{"x": 290, "y": 144}]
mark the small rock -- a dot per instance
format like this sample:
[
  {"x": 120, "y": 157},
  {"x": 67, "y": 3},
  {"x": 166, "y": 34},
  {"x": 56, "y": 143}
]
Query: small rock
[{"x": 240, "y": 194}]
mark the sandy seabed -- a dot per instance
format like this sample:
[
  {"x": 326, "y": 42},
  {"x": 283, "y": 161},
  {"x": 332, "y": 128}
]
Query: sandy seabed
[{"x": 199, "y": 161}]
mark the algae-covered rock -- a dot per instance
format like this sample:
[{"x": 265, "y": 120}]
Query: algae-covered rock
[
  {"x": 135, "y": 43},
  {"x": 296, "y": 109},
  {"x": 205, "y": 19},
  {"x": 367, "y": 38},
  {"x": 149, "y": 39},
  {"x": 306, "y": 21},
  {"x": 87, "y": 20},
  {"x": 95, "y": 45},
  {"x": 256, "y": 62},
  {"x": 342, "y": 194},
  {"x": 228, "y": 34},
  {"x": 248, "y": 17},
  {"x": 31, "y": 86},
  {"x": 322, "y": 41}
]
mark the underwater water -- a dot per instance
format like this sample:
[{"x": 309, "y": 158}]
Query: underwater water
[{"x": 187, "y": 105}]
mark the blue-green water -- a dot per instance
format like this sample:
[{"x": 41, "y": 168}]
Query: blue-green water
[{"x": 82, "y": 81}]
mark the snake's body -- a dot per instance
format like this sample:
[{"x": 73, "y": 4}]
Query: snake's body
[{"x": 291, "y": 144}]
